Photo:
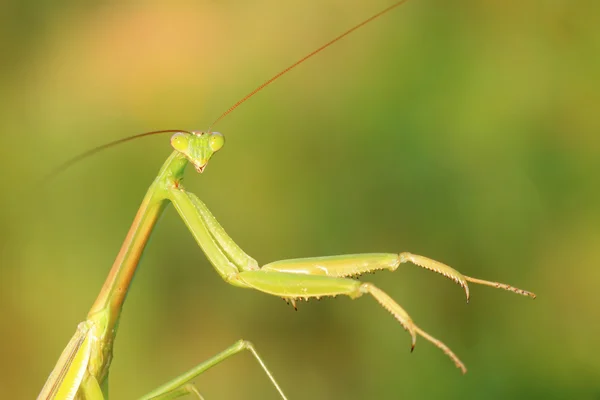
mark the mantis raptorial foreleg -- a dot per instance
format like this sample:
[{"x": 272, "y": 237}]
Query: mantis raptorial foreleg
[{"x": 311, "y": 277}]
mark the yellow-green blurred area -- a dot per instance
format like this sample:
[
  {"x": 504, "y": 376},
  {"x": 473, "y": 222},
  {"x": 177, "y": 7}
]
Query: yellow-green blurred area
[{"x": 465, "y": 131}]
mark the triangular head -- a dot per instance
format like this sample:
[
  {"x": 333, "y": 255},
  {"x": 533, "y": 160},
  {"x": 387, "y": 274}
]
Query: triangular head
[{"x": 198, "y": 147}]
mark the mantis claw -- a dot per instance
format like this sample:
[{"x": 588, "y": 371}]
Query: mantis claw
[
  {"x": 460, "y": 279},
  {"x": 292, "y": 301},
  {"x": 402, "y": 316},
  {"x": 438, "y": 267}
]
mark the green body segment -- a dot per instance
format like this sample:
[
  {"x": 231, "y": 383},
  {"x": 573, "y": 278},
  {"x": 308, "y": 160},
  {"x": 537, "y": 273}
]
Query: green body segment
[
  {"x": 346, "y": 265},
  {"x": 64, "y": 382},
  {"x": 230, "y": 249},
  {"x": 186, "y": 207},
  {"x": 114, "y": 290},
  {"x": 82, "y": 370},
  {"x": 297, "y": 286}
]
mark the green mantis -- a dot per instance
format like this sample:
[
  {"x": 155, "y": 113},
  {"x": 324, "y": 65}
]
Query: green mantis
[{"x": 82, "y": 369}]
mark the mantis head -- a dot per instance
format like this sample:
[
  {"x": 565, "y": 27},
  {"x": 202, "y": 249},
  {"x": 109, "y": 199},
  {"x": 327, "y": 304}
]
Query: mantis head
[{"x": 198, "y": 147}]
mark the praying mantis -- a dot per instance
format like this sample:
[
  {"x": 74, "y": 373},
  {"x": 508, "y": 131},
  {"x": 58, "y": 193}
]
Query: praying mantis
[{"x": 82, "y": 369}]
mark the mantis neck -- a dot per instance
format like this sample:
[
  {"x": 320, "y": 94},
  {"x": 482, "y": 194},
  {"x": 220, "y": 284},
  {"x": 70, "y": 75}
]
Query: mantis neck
[{"x": 115, "y": 288}]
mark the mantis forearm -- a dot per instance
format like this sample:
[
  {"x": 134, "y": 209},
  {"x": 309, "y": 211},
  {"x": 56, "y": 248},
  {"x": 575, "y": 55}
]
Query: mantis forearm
[
  {"x": 186, "y": 207},
  {"x": 234, "y": 252}
]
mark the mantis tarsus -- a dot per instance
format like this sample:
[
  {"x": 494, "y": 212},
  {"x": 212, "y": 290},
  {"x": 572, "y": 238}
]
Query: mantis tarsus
[{"x": 82, "y": 369}]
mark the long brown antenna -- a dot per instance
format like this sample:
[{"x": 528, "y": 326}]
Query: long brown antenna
[
  {"x": 300, "y": 61},
  {"x": 67, "y": 164},
  {"x": 62, "y": 167}
]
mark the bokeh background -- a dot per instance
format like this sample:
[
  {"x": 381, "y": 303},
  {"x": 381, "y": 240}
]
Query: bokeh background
[{"x": 465, "y": 131}]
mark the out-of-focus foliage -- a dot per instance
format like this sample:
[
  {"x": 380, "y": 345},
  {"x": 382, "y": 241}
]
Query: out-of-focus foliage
[{"x": 466, "y": 131}]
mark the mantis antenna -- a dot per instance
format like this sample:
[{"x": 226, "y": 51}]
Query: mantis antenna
[
  {"x": 105, "y": 146},
  {"x": 67, "y": 164},
  {"x": 306, "y": 57}
]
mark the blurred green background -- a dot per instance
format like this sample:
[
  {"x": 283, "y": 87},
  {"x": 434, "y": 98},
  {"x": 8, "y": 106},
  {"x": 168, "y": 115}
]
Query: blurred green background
[{"x": 464, "y": 131}]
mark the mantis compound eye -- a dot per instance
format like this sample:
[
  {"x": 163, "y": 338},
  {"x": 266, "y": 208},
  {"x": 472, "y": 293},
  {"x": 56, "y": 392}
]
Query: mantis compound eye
[
  {"x": 216, "y": 141},
  {"x": 180, "y": 142}
]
